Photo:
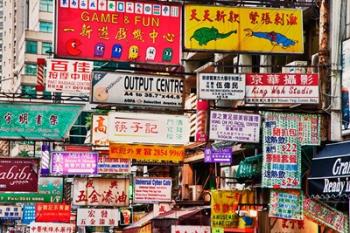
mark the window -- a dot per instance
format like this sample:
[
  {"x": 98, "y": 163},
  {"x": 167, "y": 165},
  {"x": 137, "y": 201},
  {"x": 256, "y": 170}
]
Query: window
[
  {"x": 45, "y": 26},
  {"x": 31, "y": 46},
  {"x": 46, "y": 48},
  {"x": 30, "y": 69},
  {"x": 46, "y": 5}
]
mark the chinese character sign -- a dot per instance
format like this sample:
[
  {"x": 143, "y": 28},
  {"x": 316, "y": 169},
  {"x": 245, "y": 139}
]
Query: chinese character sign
[
  {"x": 97, "y": 217},
  {"x": 96, "y": 192},
  {"x": 148, "y": 128},
  {"x": 10, "y": 212},
  {"x": 281, "y": 225},
  {"x": 286, "y": 204},
  {"x": 221, "y": 155},
  {"x": 68, "y": 76},
  {"x": 152, "y": 190},
  {"x": 119, "y": 31},
  {"x": 99, "y": 130},
  {"x": 28, "y": 213},
  {"x": 52, "y": 212},
  {"x": 41, "y": 227},
  {"x": 190, "y": 229},
  {"x": 221, "y": 28}
]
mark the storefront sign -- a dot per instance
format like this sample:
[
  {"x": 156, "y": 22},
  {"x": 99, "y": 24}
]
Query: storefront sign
[
  {"x": 10, "y": 212},
  {"x": 190, "y": 229},
  {"x": 221, "y": 28},
  {"x": 221, "y": 86},
  {"x": 221, "y": 155},
  {"x": 147, "y": 152},
  {"x": 97, "y": 217},
  {"x": 152, "y": 190},
  {"x": 292, "y": 226},
  {"x": 28, "y": 213},
  {"x": 326, "y": 215},
  {"x": 52, "y": 212},
  {"x": 137, "y": 89},
  {"x": 113, "y": 166},
  {"x": 99, "y": 131},
  {"x": 282, "y": 88},
  {"x": 71, "y": 162},
  {"x": 19, "y": 174},
  {"x": 286, "y": 204},
  {"x": 126, "y": 216},
  {"x": 234, "y": 126},
  {"x": 37, "y": 121},
  {"x": 126, "y": 127},
  {"x": 119, "y": 31},
  {"x": 68, "y": 76},
  {"x": 41, "y": 227},
  {"x": 100, "y": 192}
]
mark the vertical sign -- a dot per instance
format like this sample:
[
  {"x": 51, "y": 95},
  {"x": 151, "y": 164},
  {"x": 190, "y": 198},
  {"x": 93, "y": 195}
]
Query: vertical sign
[
  {"x": 345, "y": 86},
  {"x": 99, "y": 131}
]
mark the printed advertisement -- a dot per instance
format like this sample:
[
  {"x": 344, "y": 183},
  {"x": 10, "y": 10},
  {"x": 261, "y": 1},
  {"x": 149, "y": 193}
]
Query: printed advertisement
[
  {"x": 243, "y": 29},
  {"x": 282, "y": 88},
  {"x": 119, "y": 31},
  {"x": 113, "y": 166},
  {"x": 221, "y": 86},
  {"x": 286, "y": 204},
  {"x": 97, "y": 217},
  {"x": 190, "y": 229},
  {"x": 137, "y": 89},
  {"x": 221, "y": 155},
  {"x": 234, "y": 126},
  {"x": 292, "y": 226},
  {"x": 40, "y": 227},
  {"x": 99, "y": 135},
  {"x": 10, "y": 212},
  {"x": 150, "y": 128},
  {"x": 152, "y": 190},
  {"x": 68, "y": 76},
  {"x": 52, "y": 212}
]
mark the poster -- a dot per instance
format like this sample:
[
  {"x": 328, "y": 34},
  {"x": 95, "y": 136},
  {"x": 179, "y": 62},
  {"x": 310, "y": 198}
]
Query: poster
[
  {"x": 220, "y": 155},
  {"x": 119, "y": 31},
  {"x": 190, "y": 229},
  {"x": 152, "y": 190},
  {"x": 243, "y": 29},
  {"x": 97, "y": 217},
  {"x": 40, "y": 227},
  {"x": 99, "y": 135},
  {"x": 286, "y": 204},
  {"x": 113, "y": 166},
  {"x": 52, "y": 212}
]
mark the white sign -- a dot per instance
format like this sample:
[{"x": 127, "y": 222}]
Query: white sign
[
  {"x": 234, "y": 126},
  {"x": 68, "y": 76},
  {"x": 99, "y": 130},
  {"x": 152, "y": 190},
  {"x": 10, "y": 212},
  {"x": 137, "y": 89},
  {"x": 148, "y": 128},
  {"x": 190, "y": 229},
  {"x": 161, "y": 208},
  {"x": 97, "y": 217},
  {"x": 113, "y": 166},
  {"x": 51, "y": 227},
  {"x": 221, "y": 86}
]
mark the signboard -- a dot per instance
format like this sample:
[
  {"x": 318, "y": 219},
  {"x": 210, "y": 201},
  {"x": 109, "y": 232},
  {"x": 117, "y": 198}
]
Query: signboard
[
  {"x": 100, "y": 192},
  {"x": 345, "y": 86},
  {"x": 19, "y": 174},
  {"x": 40, "y": 227},
  {"x": 221, "y": 86},
  {"x": 234, "y": 126},
  {"x": 137, "y": 89},
  {"x": 99, "y": 131},
  {"x": 9, "y": 212},
  {"x": 126, "y": 127},
  {"x": 52, "y": 212},
  {"x": 292, "y": 226},
  {"x": 72, "y": 162},
  {"x": 126, "y": 216},
  {"x": 119, "y": 31},
  {"x": 97, "y": 217},
  {"x": 221, "y": 155},
  {"x": 113, "y": 166},
  {"x": 68, "y": 76},
  {"x": 152, "y": 190},
  {"x": 259, "y": 30},
  {"x": 190, "y": 229},
  {"x": 37, "y": 121},
  {"x": 147, "y": 152},
  {"x": 28, "y": 213},
  {"x": 282, "y": 88},
  {"x": 286, "y": 204}
]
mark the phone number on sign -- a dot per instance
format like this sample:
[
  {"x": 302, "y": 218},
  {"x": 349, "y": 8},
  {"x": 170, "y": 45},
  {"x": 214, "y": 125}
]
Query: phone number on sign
[{"x": 153, "y": 95}]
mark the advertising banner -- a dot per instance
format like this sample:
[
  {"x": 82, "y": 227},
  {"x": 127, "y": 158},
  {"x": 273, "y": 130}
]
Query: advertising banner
[
  {"x": 52, "y": 212},
  {"x": 243, "y": 29},
  {"x": 155, "y": 153},
  {"x": 292, "y": 226},
  {"x": 113, "y": 166},
  {"x": 97, "y": 217},
  {"x": 126, "y": 216},
  {"x": 28, "y": 213},
  {"x": 100, "y": 192},
  {"x": 99, "y": 135},
  {"x": 19, "y": 174},
  {"x": 345, "y": 55},
  {"x": 152, "y": 190},
  {"x": 286, "y": 204},
  {"x": 68, "y": 76},
  {"x": 234, "y": 126},
  {"x": 221, "y": 86},
  {"x": 127, "y": 127},
  {"x": 37, "y": 121},
  {"x": 145, "y": 32},
  {"x": 40, "y": 227},
  {"x": 10, "y": 212},
  {"x": 190, "y": 229},
  {"x": 282, "y": 88},
  {"x": 221, "y": 155},
  {"x": 72, "y": 162},
  {"x": 137, "y": 89}
]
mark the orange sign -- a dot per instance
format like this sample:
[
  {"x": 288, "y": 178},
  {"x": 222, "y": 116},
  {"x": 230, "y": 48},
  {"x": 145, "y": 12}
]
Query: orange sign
[{"x": 147, "y": 152}]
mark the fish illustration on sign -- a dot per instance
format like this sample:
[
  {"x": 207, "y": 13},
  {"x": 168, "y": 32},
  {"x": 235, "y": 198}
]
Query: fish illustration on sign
[
  {"x": 204, "y": 35},
  {"x": 274, "y": 37}
]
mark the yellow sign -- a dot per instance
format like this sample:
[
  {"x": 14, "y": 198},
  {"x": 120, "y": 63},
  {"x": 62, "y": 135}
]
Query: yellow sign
[
  {"x": 266, "y": 30},
  {"x": 147, "y": 152},
  {"x": 146, "y": 229}
]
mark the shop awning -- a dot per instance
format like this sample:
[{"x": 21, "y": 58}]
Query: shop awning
[{"x": 330, "y": 172}]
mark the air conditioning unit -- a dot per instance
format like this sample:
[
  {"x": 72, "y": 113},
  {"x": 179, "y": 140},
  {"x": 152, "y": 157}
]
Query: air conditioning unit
[{"x": 298, "y": 67}]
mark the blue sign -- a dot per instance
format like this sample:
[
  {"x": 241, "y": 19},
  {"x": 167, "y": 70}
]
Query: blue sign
[
  {"x": 220, "y": 155},
  {"x": 28, "y": 213}
]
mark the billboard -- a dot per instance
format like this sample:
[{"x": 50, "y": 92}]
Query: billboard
[
  {"x": 119, "y": 31},
  {"x": 97, "y": 217},
  {"x": 260, "y": 30},
  {"x": 152, "y": 190}
]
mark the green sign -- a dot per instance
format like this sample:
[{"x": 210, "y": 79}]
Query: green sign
[
  {"x": 50, "y": 190},
  {"x": 37, "y": 121}
]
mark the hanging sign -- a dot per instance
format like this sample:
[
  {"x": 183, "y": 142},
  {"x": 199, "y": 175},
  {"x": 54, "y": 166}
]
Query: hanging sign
[
  {"x": 126, "y": 216},
  {"x": 9, "y": 212},
  {"x": 113, "y": 166},
  {"x": 97, "y": 217},
  {"x": 52, "y": 212},
  {"x": 28, "y": 213},
  {"x": 221, "y": 155},
  {"x": 99, "y": 131},
  {"x": 152, "y": 190},
  {"x": 41, "y": 227},
  {"x": 286, "y": 204},
  {"x": 189, "y": 229}
]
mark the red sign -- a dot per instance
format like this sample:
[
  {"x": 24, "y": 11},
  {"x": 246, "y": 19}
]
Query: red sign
[
  {"x": 19, "y": 175},
  {"x": 52, "y": 212},
  {"x": 120, "y": 31}
]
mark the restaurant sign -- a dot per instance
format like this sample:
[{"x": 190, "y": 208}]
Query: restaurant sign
[
  {"x": 286, "y": 204},
  {"x": 52, "y": 212},
  {"x": 97, "y": 217},
  {"x": 152, "y": 190}
]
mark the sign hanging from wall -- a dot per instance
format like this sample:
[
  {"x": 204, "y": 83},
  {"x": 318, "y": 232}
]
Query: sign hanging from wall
[
  {"x": 126, "y": 216},
  {"x": 10, "y": 212},
  {"x": 119, "y": 31},
  {"x": 99, "y": 131},
  {"x": 28, "y": 213},
  {"x": 40, "y": 227},
  {"x": 345, "y": 86},
  {"x": 267, "y": 30},
  {"x": 113, "y": 166},
  {"x": 137, "y": 89},
  {"x": 292, "y": 226},
  {"x": 220, "y": 155},
  {"x": 189, "y": 229},
  {"x": 152, "y": 190},
  {"x": 97, "y": 217},
  {"x": 286, "y": 204},
  {"x": 52, "y": 212}
]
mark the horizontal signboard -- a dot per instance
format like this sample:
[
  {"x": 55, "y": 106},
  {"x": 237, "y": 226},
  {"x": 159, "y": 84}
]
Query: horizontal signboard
[
  {"x": 137, "y": 89},
  {"x": 220, "y": 155},
  {"x": 113, "y": 166},
  {"x": 52, "y": 212},
  {"x": 97, "y": 217},
  {"x": 41, "y": 227},
  {"x": 189, "y": 229},
  {"x": 152, "y": 190},
  {"x": 10, "y": 212}
]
